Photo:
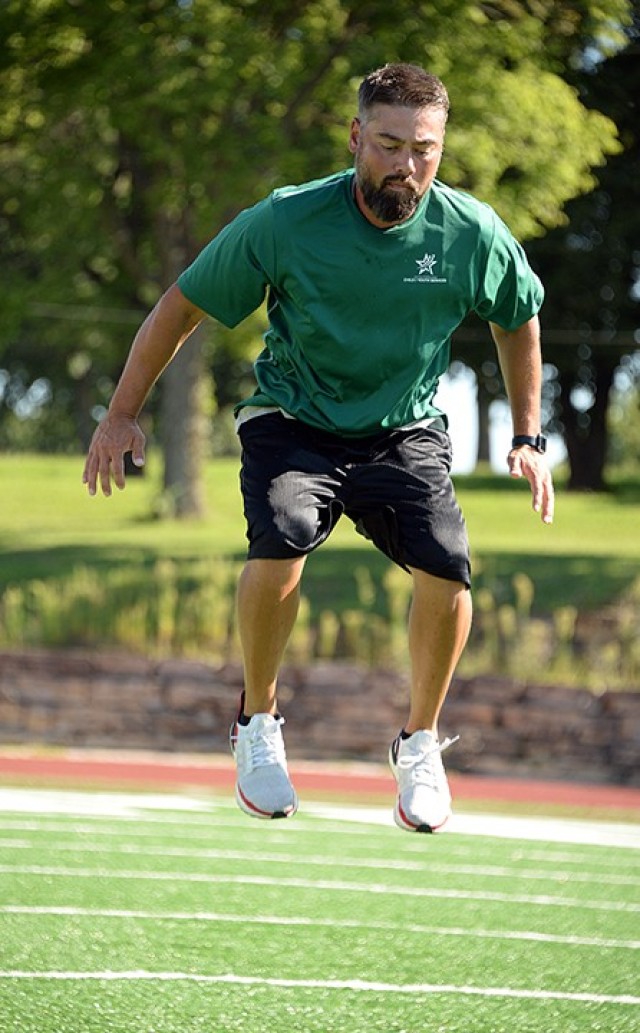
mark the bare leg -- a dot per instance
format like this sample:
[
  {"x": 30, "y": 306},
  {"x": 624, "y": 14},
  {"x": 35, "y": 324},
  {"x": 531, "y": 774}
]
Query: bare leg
[
  {"x": 439, "y": 623},
  {"x": 267, "y": 606}
]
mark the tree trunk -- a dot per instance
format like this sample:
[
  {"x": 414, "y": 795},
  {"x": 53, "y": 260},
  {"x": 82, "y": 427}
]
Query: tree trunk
[
  {"x": 485, "y": 399},
  {"x": 183, "y": 428},
  {"x": 184, "y": 386},
  {"x": 585, "y": 433}
]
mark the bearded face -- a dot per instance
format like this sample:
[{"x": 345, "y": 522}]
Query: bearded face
[
  {"x": 397, "y": 151},
  {"x": 392, "y": 199}
]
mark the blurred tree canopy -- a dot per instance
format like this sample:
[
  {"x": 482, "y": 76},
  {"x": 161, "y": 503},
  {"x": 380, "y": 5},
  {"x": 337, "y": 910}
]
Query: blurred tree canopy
[
  {"x": 132, "y": 130},
  {"x": 593, "y": 264},
  {"x": 590, "y": 265}
]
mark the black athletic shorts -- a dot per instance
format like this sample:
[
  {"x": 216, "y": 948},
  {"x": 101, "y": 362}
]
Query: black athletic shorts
[{"x": 297, "y": 481}]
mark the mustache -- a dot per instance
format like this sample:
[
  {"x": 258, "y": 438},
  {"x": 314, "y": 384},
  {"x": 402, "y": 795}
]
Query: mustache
[{"x": 400, "y": 180}]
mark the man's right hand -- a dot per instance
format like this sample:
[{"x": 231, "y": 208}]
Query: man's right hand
[{"x": 114, "y": 436}]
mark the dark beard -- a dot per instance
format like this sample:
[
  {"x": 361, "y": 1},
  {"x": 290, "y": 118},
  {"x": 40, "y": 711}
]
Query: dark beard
[{"x": 387, "y": 204}]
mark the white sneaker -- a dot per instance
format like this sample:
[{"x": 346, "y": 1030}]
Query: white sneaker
[
  {"x": 263, "y": 788},
  {"x": 424, "y": 801}
]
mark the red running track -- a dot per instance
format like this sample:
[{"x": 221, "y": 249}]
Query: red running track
[{"x": 164, "y": 772}]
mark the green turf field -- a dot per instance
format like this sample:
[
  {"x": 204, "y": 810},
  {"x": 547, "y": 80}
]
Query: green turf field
[{"x": 138, "y": 917}]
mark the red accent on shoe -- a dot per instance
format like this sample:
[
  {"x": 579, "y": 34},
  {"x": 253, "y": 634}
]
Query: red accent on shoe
[
  {"x": 258, "y": 810},
  {"x": 415, "y": 825},
  {"x": 252, "y": 806}
]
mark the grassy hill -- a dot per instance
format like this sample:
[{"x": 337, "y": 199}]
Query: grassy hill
[
  {"x": 51, "y": 533},
  {"x": 48, "y": 525}
]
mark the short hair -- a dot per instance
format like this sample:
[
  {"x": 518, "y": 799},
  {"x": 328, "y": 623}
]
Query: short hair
[{"x": 404, "y": 85}]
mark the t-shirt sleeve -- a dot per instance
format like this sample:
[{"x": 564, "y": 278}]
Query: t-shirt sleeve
[
  {"x": 509, "y": 292},
  {"x": 229, "y": 277}
]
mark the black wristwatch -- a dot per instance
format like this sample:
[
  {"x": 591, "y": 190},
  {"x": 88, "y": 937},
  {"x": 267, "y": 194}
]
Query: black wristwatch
[{"x": 539, "y": 442}]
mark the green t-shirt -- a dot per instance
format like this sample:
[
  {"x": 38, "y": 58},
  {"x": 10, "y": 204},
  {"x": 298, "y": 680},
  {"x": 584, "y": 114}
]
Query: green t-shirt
[{"x": 360, "y": 318}]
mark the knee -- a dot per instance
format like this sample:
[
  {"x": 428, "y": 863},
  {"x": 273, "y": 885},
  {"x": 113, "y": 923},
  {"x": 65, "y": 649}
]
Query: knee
[
  {"x": 275, "y": 573},
  {"x": 280, "y": 535},
  {"x": 295, "y": 517},
  {"x": 454, "y": 594}
]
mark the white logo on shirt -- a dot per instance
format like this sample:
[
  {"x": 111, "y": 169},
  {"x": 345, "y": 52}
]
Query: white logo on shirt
[
  {"x": 425, "y": 265},
  {"x": 426, "y": 272}
]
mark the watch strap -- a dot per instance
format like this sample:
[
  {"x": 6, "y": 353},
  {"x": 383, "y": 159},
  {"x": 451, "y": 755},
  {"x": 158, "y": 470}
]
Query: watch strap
[{"x": 539, "y": 442}]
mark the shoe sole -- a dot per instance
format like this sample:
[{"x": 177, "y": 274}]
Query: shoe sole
[
  {"x": 403, "y": 822},
  {"x": 256, "y": 812}
]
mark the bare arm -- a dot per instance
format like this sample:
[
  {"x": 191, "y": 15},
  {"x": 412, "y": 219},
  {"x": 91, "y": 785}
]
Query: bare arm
[
  {"x": 521, "y": 365},
  {"x": 163, "y": 332}
]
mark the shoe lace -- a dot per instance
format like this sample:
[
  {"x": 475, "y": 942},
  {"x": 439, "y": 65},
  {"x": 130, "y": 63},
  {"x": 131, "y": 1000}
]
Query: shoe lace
[
  {"x": 421, "y": 763},
  {"x": 268, "y": 747}
]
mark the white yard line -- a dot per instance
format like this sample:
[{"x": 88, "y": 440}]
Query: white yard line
[
  {"x": 330, "y": 885},
  {"x": 297, "y": 920},
  {"x": 54, "y": 801},
  {"x": 501, "y": 826},
  {"x": 134, "y": 805},
  {"x": 304, "y": 860},
  {"x": 145, "y": 827},
  {"x": 357, "y": 985}
]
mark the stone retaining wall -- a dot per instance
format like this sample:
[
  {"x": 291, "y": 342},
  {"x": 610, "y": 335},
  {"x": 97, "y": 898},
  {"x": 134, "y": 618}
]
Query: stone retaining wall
[{"x": 334, "y": 711}]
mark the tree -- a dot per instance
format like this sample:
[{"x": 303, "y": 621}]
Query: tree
[
  {"x": 592, "y": 271},
  {"x": 132, "y": 131},
  {"x": 624, "y": 417}
]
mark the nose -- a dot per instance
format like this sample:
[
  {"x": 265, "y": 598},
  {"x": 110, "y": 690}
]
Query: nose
[{"x": 405, "y": 163}]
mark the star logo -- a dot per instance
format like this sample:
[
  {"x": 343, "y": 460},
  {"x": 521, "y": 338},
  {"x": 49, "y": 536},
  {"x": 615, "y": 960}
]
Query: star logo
[{"x": 425, "y": 265}]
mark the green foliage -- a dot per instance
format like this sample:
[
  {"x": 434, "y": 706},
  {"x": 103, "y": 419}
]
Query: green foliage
[
  {"x": 599, "y": 651},
  {"x": 187, "y": 609},
  {"x": 624, "y": 426},
  {"x": 526, "y": 192},
  {"x": 168, "y": 610},
  {"x": 592, "y": 265}
]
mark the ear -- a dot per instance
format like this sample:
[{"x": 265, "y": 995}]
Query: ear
[{"x": 354, "y": 135}]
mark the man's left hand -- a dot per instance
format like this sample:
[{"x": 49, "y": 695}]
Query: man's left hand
[{"x": 529, "y": 463}]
